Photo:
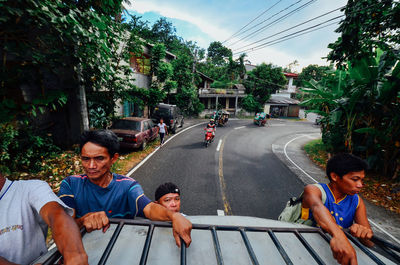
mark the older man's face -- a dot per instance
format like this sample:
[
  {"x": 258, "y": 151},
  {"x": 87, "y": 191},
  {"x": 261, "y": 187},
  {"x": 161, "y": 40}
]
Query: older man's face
[
  {"x": 171, "y": 201},
  {"x": 96, "y": 161}
]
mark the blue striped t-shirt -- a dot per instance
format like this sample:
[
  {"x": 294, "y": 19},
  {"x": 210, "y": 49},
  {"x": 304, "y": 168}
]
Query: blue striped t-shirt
[{"x": 122, "y": 198}]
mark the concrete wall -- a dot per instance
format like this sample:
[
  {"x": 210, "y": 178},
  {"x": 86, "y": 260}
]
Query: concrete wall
[
  {"x": 309, "y": 116},
  {"x": 141, "y": 80}
]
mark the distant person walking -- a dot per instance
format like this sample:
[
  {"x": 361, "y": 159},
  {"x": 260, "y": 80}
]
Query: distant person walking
[{"x": 162, "y": 130}]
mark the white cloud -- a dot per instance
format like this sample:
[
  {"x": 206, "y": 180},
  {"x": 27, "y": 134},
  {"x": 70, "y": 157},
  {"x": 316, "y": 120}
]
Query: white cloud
[
  {"x": 167, "y": 10},
  {"x": 209, "y": 22}
]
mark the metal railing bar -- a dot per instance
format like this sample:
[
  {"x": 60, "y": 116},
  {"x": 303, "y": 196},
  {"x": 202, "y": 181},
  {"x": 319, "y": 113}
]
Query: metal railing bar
[
  {"x": 146, "y": 248},
  {"x": 111, "y": 243},
  {"x": 324, "y": 236},
  {"x": 385, "y": 243},
  {"x": 217, "y": 247},
  {"x": 309, "y": 248},
  {"x": 183, "y": 252},
  {"x": 364, "y": 249},
  {"x": 248, "y": 246},
  {"x": 280, "y": 248},
  {"x": 218, "y": 227},
  {"x": 53, "y": 258},
  {"x": 391, "y": 254}
]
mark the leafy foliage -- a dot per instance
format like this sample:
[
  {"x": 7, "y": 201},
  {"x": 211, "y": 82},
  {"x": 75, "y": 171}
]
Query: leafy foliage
[
  {"x": 250, "y": 104},
  {"x": 52, "y": 51},
  {"x": 22, "y": 149},
  {"x": 311, "y": 72},
  {"x": 361, "y": 107},
  {"x": 368, "y": 25},
  {"x": 263, "y": 81},
  {"x": 217, "y": 53}
]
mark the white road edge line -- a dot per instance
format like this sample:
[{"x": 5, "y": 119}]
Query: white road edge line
[
  {"x": 241, "y": 127},
  {"x": 220, "y": 213},
  {"x": 151, "y": 154},
  {"x": 284, "y": 151},
  {"x": 219, "y": 145},
  {"x": 305, "y": 135}
]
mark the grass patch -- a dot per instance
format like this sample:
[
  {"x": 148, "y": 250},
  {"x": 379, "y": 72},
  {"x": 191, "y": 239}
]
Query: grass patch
[
  {"x": 316, "y": 150},
  {"x": 127, "y": 161}
]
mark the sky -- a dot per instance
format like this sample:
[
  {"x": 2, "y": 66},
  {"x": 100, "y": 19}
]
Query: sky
[{"x": 217, "y": 20}]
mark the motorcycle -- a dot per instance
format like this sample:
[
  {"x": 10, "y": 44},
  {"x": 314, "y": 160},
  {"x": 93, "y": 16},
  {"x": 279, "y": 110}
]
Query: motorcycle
[
  {"x": 260, "y": 122},
  {"x": 260, "y": 119},
  {"x": 209, "y": 137}
]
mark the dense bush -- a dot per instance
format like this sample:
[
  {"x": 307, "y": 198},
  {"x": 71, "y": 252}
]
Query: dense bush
[
  {"x": 23, "y": 150},
  {"x": 360, "y": 107}
]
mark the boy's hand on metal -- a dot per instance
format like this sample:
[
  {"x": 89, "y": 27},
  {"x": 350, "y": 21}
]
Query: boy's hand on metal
[
  {"x": 95, "y": 221},
  {"x": 181, "y": 228},
  {"x": 342, "y": 251},
  {"x": 361, "y": 231}
]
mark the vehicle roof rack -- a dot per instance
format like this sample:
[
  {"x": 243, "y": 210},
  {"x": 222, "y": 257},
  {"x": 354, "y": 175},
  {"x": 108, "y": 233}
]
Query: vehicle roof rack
[{"x": 149, "y": 242}]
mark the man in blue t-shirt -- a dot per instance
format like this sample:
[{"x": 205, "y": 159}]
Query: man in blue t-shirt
[
  {"x": 343, "y": 207},
  {"x": 99, "y": 194}
]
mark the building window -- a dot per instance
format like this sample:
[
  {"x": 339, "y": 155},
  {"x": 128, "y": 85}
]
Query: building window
[{"x": 140, "y": 64}]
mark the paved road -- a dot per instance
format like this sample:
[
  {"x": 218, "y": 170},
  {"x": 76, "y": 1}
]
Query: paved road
[{"x": 243, "y": 177}]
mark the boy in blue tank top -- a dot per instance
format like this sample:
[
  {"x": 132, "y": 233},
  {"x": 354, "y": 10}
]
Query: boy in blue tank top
[
  {"x": 99, "y": 194},
  {"x": 343, "y": 207}
]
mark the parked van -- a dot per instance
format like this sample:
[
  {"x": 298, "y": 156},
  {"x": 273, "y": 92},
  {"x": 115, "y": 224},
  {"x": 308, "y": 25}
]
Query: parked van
[{"x": 171, "y": 115}]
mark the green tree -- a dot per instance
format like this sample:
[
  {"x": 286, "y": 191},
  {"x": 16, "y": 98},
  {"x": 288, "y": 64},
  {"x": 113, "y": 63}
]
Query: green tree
[
  {"x": 368, "y": 25},
  {"x": 250, "y": 104},
  {"x": 310, "y": 72},
  {"x": 263, "y": 81},
  {"x": 51, "y": 52},
  {"x": 360, "y": 108},
  {"x": 164, "y": 32},
  {"x": 218, "y": 53}
]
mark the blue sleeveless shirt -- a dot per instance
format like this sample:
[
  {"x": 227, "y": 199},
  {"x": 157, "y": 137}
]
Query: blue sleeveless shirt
[{"x": 343, "y": 210}]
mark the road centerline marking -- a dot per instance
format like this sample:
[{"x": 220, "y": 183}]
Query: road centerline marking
[
  {"x": 227, "y": 207},
  {"x": 241, "y": 127},
  {"x": 219, "y": 145}
]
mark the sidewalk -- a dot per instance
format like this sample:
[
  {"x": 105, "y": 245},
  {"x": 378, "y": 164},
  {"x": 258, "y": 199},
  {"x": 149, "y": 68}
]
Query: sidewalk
[{"x": 385, "y": 224}]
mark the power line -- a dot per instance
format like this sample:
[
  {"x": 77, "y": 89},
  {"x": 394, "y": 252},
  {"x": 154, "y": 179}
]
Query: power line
[
  {"x": 272, "y": 16},
  {"x": 309, "y": 29},
  {"x": 295, "y": 36},
  {"x": 289, "y": 35},
  {"x": 233, "y": 35},
  {"x": 285, "y": 30},
  {"x": 275, "y": 21}
]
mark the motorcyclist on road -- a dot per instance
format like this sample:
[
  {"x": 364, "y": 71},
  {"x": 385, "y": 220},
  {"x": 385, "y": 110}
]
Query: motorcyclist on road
[{"x": 212, "y": 125}]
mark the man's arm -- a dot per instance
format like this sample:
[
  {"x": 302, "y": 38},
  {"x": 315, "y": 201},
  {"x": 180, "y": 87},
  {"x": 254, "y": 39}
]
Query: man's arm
[
  {"x": 361, "y": 227},
  {"x": 341, "y": 248},
  {"x": 65, "y": 232},
  {"x": 181, "y": 226}
]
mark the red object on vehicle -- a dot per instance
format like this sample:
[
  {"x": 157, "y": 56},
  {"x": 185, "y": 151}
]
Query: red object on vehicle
[
  {"x": 209, "y": 133},
  {"x": 132, "y": 139}
]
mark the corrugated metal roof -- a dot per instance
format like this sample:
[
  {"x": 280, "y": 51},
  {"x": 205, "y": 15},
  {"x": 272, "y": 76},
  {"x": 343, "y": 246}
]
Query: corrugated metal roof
[{"x": 283, "y": 100}]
